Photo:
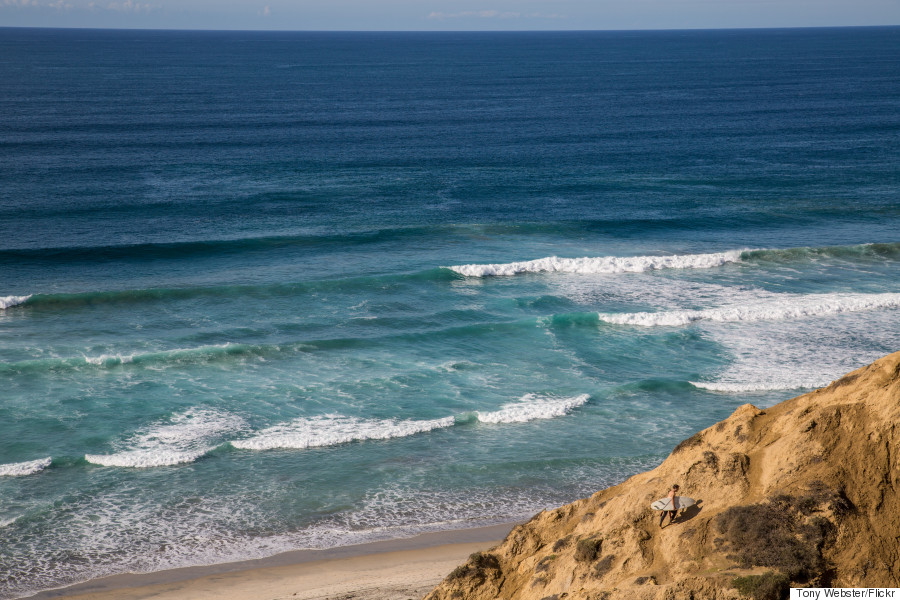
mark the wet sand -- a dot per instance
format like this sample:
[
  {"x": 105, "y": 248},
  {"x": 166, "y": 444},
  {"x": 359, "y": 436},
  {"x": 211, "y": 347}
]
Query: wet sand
[{"x": 390, "y": 570}]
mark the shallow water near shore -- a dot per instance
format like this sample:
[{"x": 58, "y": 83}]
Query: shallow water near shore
[{"x": 262, "y": 292}]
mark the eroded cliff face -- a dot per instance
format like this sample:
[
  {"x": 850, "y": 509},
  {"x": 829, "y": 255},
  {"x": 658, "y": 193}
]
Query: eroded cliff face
[{"x": 806, "y": 492}]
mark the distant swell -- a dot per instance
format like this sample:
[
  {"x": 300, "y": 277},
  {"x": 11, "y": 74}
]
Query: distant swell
[
  {"x": 597, "y": 265},
  {"x": 181, "y": 439},
  {"x": 177, "y": 356},
  {"x": 24, "y": 468},
  {"x": 10, "y": 301},
  {"x": 239, "y": 293},
  {"x": 860, "y": 251},
  {"x": 182, "y": 250},
  {"x": 331, "y": 430},
  {"x": 531, "y": 407},
  {"x": 785, "y": 307},
  {"x": 601, "y": 265}
]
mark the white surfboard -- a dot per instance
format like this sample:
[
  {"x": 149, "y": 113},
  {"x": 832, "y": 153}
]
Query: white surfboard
[{"x": 666, "y": 504}]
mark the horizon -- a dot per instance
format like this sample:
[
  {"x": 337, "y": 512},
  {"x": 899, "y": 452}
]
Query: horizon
[
  {"x": 450, "y": 31},
  {"x": 444, "y": 15}
]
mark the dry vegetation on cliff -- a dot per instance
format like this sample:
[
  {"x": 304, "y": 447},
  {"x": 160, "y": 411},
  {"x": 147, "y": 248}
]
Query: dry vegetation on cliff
[{"x": 806, "y": 493}]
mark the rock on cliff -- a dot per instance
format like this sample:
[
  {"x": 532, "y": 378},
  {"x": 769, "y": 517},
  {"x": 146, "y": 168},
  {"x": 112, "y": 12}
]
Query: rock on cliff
[{"x": 805, "y": 493}]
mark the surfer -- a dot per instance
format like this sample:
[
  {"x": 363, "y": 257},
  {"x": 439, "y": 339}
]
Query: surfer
[{"x": 672, "y": 494}]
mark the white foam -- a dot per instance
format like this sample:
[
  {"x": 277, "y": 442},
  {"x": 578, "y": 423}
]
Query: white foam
[
  {"x": 109, "y": 360},
  {"x": 182, "y": 439},
  {"x": 735, "y": 387},
  {"x": 10, "y": 301},
  {"x": 531, "y": 407},
  {"x": 174, "y": 355},
  {"x": 602, "y": 264},
  {"x": 24, "y": 468},
  {"x": 772, "y": 356},
  {"x": 331, "y": 430},
  {"x": 784, "y": 306}
]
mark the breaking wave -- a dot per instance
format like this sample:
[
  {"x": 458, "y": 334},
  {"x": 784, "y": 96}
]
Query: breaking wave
[
  {"x": 778, "y": 309},
  {"x": 181, "y": 439},
  {"x": 24, "y": 468},
  {"x": 531, "y": 407},
  {"x": 757, "y": 386},
  {"x": 10, "y": 301},
  {"x": 331, "y": 430},
  {"x": 640, "y": 264},
  {"x": 602, "y": 265}
]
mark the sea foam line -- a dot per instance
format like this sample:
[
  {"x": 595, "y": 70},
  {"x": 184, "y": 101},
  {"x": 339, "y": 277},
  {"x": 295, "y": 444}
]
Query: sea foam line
[
  {"x": 779, "y": 309},
  {"x": 531, "y": 407},
  {"x": 331, "y": 430},
  {"x": 10, "y": 301},
  {"x": 181, "y": 439},
  {"x": 757, "y": 386},
  {"x": 25, "y": 468},
  {"x": 602, "y": 264}
]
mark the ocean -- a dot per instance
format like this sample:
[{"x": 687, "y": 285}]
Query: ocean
[{"x": 270, "y": 291}]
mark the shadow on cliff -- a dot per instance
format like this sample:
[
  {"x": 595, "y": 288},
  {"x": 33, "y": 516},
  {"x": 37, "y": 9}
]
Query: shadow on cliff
[{"x": 688, "y": 513}]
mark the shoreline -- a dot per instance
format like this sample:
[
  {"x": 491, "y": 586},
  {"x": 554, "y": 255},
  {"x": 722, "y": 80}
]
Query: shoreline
[{"x": 383, "y": 570}]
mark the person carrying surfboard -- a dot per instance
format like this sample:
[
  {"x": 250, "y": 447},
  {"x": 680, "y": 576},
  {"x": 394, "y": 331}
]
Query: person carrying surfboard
[{"x": 674, "y": 503}]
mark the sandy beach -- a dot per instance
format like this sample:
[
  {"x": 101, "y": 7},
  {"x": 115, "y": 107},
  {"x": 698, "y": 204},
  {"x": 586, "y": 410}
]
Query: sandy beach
[{"x": 389, "y": 570}]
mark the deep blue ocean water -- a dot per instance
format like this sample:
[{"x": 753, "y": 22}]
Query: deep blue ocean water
[{"x": 268, "y": 291}]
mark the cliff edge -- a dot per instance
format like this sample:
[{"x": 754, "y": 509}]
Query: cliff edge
[{"x": 805, "y": 493}]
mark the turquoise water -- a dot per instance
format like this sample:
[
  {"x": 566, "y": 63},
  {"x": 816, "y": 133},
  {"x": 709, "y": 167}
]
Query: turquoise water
[{"x": 269, "y": 291}]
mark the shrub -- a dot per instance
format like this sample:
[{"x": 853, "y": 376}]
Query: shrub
[
  {"x": 544, "y": 564},
  {"x": 587, "y": 550},
  {"x": 484, "y": 560},
  {"x": 476, "y": 566},
  {"x": 773, "y": 535},
  {"x": 562, "y": 543},
  {"x": 768, "y": 586},
  {"x": 694, "y": 440}
]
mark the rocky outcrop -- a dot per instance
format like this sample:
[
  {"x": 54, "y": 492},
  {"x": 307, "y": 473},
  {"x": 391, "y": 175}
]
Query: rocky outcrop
[{"x": 805, "y": 493}]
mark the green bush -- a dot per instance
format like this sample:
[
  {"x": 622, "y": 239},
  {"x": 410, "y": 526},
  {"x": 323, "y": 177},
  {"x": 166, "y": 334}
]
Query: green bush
[{"x": 768, "y": 586}]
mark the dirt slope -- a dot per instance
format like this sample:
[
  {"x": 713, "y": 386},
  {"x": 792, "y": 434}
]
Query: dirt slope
[{"x": 806, "y": 492}]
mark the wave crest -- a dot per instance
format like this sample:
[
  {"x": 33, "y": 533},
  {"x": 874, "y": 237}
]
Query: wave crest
[
  {"x": 182, "y": 439},
  {"x": 601, "y": 265},
  {"x": 779, "y": 309},
  {"x": 10, "y": 301},
  {"x": 531, "y": 407},
  {"x": 757, "y": 386},
  {"x": 25, "y": 468},
  {"x": 331, "y": 430}
]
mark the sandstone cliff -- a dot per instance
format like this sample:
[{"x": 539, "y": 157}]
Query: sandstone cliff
[{"x": 806, "y": 492}]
